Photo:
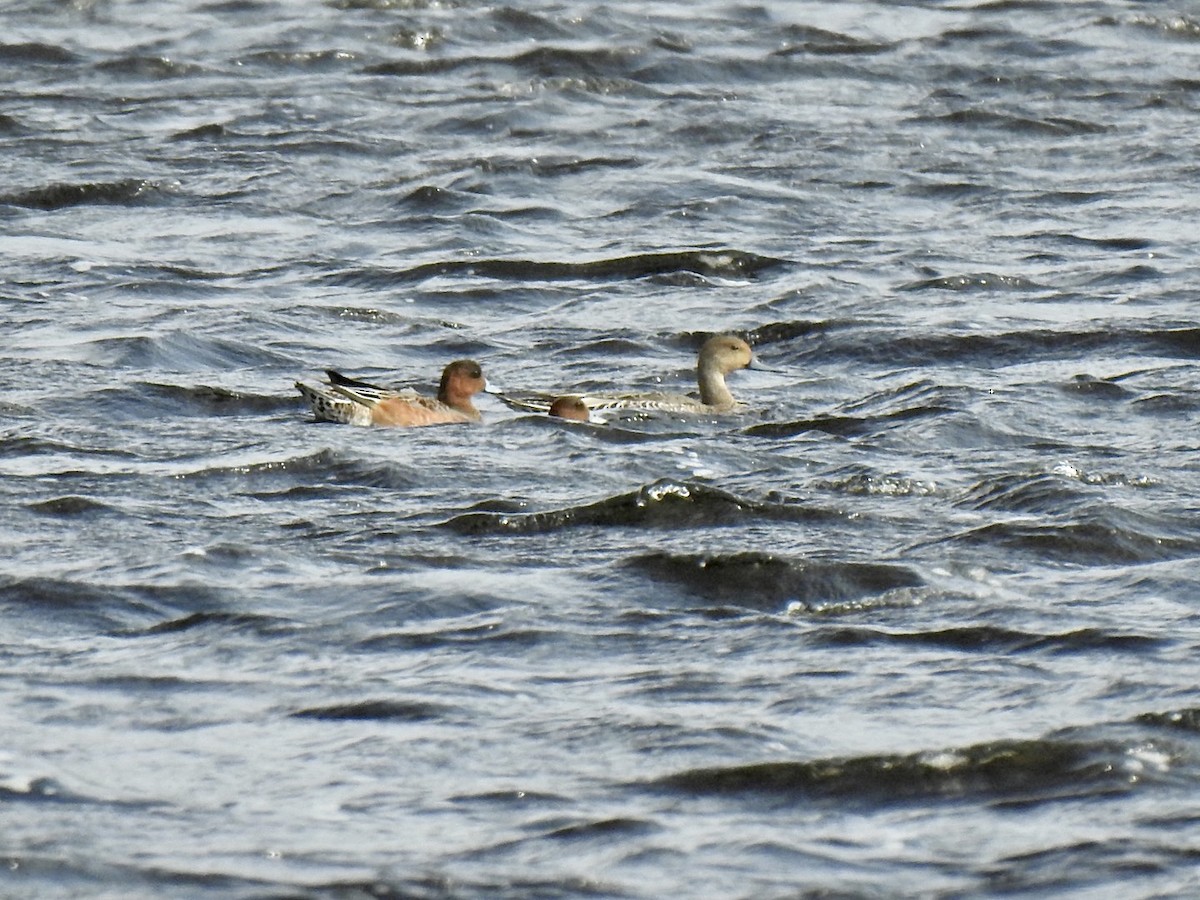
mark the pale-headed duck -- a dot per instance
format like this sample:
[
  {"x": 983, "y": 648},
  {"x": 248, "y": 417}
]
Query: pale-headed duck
[{"x": 718, "y": 356}]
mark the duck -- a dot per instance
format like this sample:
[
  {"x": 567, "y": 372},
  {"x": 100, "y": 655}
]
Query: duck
[
  {"x": 352, "y": 402},
  {"x": 573, "y": 408},
  {"x": 719, "y": 356}
]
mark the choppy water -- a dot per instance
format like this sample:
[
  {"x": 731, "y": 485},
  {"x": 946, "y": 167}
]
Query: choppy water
[{"x": 922, "y": 622}]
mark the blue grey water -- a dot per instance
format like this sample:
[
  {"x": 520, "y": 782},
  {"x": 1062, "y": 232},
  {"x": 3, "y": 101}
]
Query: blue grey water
[{"x": 921, "y": 621}]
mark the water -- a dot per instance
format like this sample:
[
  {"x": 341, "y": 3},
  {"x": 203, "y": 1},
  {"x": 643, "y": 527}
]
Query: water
[{"x": 922, "y": 621}]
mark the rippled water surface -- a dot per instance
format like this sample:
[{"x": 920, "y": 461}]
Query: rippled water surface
[{"x": 921, "y": 620}]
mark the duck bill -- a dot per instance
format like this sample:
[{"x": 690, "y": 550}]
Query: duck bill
[
  {"x": 757, "y": 365},
  {"x": 489, "y": 388}
]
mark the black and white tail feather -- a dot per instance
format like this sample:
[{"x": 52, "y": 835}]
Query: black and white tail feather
[{"x": 346, "y": 401}]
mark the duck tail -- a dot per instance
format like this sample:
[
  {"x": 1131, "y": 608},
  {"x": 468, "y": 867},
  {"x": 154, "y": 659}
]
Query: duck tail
[{"x": 328, "y": 406}]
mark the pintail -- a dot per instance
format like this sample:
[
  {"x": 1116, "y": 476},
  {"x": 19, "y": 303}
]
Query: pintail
[
  {"x": 719, "y": 356},
  {"x": 353, "y": 402}
]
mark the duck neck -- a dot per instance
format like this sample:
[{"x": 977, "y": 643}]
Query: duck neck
[
  {"x": 462, "y": 403},
  {"x": 713, "y": 390}
]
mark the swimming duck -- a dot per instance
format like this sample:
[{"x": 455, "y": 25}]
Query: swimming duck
[
  {"x": 572, "y": 407},
  {"x": 352, "y": 402},
  {"x": 718, "y": 356}
]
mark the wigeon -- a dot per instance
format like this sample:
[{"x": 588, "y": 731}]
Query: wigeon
[
  {"x": 573, "y": 407},
  {"x": 718, "y": 356},
  {"x": 352, "y": 402}
]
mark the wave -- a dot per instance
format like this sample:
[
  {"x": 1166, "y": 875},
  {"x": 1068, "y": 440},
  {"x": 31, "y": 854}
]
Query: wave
[
  {"x": 1169, "y": 404},
  {"x": 203, "y": 400},
  {"x": 321, "y": 473},
  {"x": 991, "y": 639},
  {"x": 316, "y": 60},
  {"x": 807, "y": 40},
  {"x": 948, "y": 190},
  {"x": 180, "y": 351},
  {"x": 779, "y": 332},
  {"x": 1089, "y": 386},
  {"x": 70, "y": 507},
  {"x": 18, "y": 445},
  {"x": 375, "y": 711},
  {"x": 494, "y": 636},
  {"x": 1178, "y": 27},
  {"x": 252, "y": 623},
  {"x": 767, "y": 582},
  {"x": 128, "y": 192},
  {"x": 1027, "y": 493},
  {"x": 1066, "y": 238},
  {"x": 552, "y": 166},
  {"x": 549, "y": 61},
  {"x": 602, "y": 67},
  {"x": 1097, "y": 539},
  {"x": 663, "y": 504},
  {"x": 976, "y": 281},
  {"x": 153, "y": 67},
  {"x": 99, "y": 607},
  {"x": 34, "y": 53},
  {"x": 641, "y": 67},
  {"x": 1055, "y": 126},
  {"x": 1184, "y": 342},
  {"x": 1010, "y": 347},
  {"x": 1180, "y": 719},
  {"x": 725, "y": 263},
  {"x": 1025, "y": 771},
  {"x": 70, "y": 874},
  {"x": 844, "y": 426},
  {"x": 860, "y": 482},
  {"x": 207, "y": 132},
  {"x": 433, "y": 198},
  {"x": 871, "y": 413},
  {"x": 543, "y": 62},
  {"x": 50, "y": 790}
]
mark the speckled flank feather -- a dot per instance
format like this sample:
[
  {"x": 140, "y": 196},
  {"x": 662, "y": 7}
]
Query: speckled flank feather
[{"x": 329, "y": 406}]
